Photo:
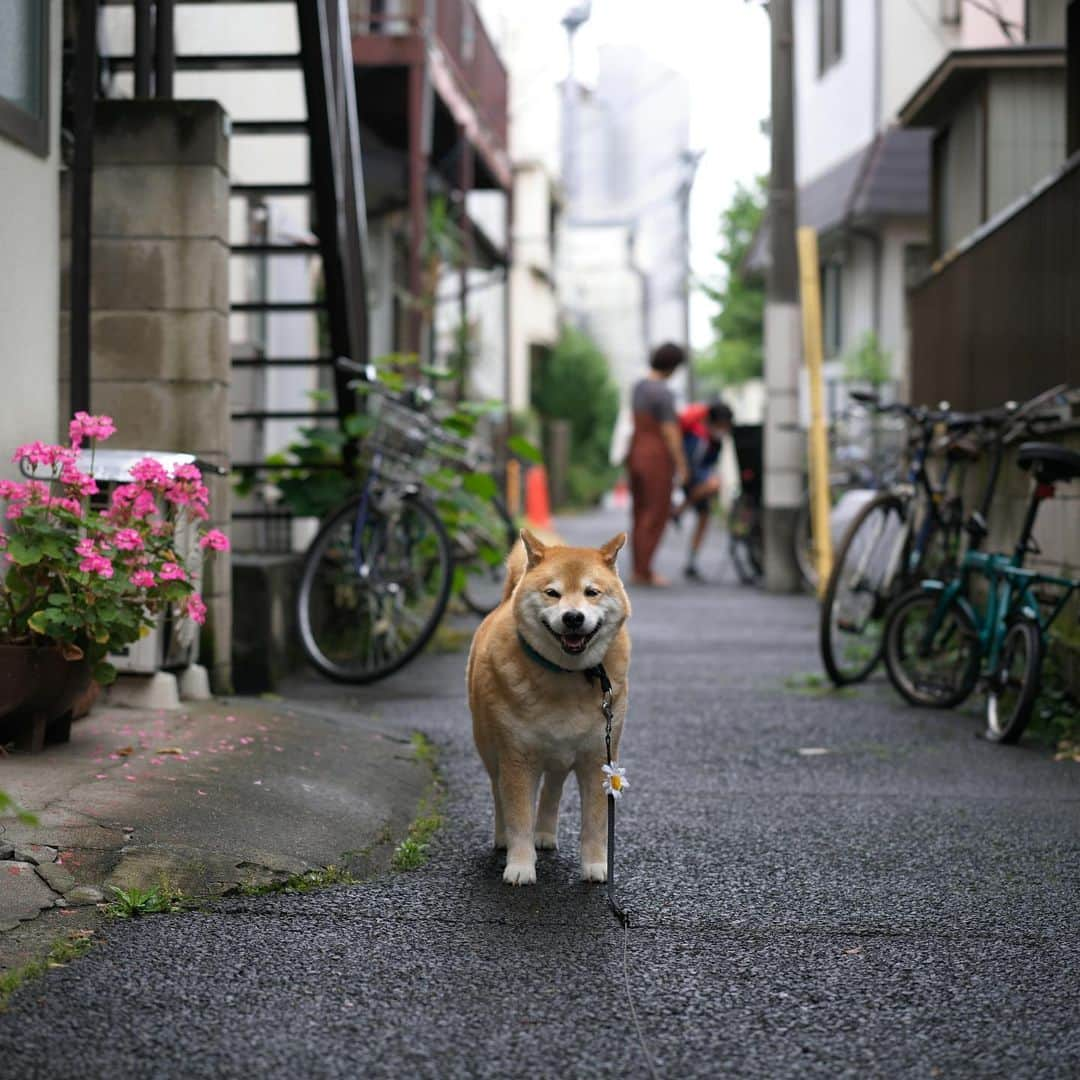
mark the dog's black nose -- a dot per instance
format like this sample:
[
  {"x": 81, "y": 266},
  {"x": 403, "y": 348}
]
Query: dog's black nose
[{"x": 573, "y": 620}]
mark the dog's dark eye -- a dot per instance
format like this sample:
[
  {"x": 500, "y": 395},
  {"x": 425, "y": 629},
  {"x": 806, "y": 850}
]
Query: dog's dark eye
[
  {"x": 591, "y": 592},
  {"x": 553, "y": 593}
]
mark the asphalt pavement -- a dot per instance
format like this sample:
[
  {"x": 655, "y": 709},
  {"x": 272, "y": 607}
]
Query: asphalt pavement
[{"x": 821, "y": 885}]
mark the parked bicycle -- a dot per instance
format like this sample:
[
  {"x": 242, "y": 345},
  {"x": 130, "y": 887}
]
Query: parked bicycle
[
  {"x": 377, "y": 578},
  {"x": 990, "y": 621},
  {"x": 907, "y": 529}
]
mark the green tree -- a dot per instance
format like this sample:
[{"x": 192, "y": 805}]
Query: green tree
[
  {"x": 575, "y": 384},
  {"x": 737, "y": 354}
]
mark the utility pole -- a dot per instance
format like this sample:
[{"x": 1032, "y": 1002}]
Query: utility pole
[
  {"x": 783, "y": 444},
  {"x": 691, "y": 159},
  {"x": 572, "y": 21}
]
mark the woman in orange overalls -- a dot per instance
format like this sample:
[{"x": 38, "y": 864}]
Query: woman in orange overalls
[{"x": 656, "y": 460}]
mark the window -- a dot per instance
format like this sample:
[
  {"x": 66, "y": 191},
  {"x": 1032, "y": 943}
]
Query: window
[
  {"x": 24, "y": 73},
  {"x": 830, "y": 33}
]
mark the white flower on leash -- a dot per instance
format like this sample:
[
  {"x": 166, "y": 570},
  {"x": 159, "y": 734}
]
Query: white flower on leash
[{"x": 615, "y": 782}]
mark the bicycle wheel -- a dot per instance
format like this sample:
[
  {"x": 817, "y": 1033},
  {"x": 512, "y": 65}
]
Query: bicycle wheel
[
  {"x": 1015, "y": 684},
  {"x": 745, "y": 540},
  {"x": 864, "y": 578},
  {"x": 482, "y": 552},
  {"x": 932, "y": 656},
  {"x": 374, "y": 587}
]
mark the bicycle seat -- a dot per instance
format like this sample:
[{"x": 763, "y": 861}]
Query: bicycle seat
[
  {"x": 962, "y": 448},
  {"x": 1050, "y": 463}
]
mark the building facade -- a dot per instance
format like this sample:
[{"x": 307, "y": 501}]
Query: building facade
[
  {"x": 627, "y": 170},
  {"x": 863, "y": 184}
]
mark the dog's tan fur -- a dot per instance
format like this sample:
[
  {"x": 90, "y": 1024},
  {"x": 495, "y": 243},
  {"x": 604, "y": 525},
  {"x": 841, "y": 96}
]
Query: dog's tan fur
[{"x": 532, "y": 724}]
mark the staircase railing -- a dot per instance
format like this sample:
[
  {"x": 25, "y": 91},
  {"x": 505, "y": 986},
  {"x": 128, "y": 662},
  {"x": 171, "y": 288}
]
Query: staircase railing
[{"x": 337, "y": 177}]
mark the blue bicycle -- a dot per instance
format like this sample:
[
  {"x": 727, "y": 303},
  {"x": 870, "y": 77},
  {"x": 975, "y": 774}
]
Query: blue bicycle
[{"x": 990, "y": 621}]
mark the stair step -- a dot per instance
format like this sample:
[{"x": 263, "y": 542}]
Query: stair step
[
  {"x": 220, "y": 62},
  {"x": 270, "y": 189},
  {"x": 269, "y": 127},
  {"x": 275, "y": 249},
  {"x": 282, "y": 361},
  {"x": 279, "y": 305},
  {"x": 284, "y": 414}
]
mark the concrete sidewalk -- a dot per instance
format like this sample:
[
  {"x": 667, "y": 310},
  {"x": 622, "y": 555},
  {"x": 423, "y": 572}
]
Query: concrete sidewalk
[{"x": 202, "y": 801}]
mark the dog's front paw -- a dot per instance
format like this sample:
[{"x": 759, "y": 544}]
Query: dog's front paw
[
  {"x": 520, "y": 873},
  {"x": 594, "y": 871},
  {"x": 546, "y": 841}
]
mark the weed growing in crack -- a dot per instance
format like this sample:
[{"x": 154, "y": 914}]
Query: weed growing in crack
[
  {"x": 412, "y": 852},
  {"x": 302, "y": 883},
  {"x": 135, "y": 902},
  {"x": 63, "y": 951}
]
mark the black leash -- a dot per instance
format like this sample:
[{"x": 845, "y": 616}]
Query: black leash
[
  {"x": 617, "y": 909},
  {"x": 620, "y": 913}
]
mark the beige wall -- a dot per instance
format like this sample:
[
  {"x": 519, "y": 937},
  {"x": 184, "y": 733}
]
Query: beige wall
[
  {"x": 30, "y": 280},
  {"x": 1026, "y": 133}
]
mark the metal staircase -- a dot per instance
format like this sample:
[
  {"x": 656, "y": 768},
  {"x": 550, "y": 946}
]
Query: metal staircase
[{"x": 333, "y": 239}]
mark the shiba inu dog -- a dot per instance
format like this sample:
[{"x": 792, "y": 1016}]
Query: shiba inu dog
[{"x": 536, "y": 713}]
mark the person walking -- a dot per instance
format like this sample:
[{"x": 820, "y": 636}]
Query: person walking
[
  {"x": 656, "y": 460},
  {"x": 704, "y": 428}
]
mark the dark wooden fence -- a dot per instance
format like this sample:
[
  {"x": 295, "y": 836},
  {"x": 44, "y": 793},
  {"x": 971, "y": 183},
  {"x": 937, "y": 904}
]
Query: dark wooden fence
[{"x": 1002, "y": 319}]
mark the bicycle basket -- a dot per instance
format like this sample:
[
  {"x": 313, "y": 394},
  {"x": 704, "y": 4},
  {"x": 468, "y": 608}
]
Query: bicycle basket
[{"x": 394, "y": 448}]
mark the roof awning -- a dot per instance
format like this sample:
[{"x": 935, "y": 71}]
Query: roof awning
[
  {"x": 934, "y": 102},
  {"x": 888, "y": 178}
]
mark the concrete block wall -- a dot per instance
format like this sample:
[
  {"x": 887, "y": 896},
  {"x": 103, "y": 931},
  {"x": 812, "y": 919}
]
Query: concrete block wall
[{"x": 160, "y": 302}]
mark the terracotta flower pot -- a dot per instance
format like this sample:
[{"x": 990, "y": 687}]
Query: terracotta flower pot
[{"x": 37, "y": 690}]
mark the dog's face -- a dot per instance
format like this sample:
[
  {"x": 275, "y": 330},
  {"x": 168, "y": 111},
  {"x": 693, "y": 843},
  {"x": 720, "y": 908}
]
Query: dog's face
[{"x": 570, "y": 603}]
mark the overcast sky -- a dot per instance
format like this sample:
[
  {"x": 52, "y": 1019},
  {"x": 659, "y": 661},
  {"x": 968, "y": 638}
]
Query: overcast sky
[{"x": 722, "y": 48}]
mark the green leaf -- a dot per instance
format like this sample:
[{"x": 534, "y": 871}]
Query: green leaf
[
  {"x": 104, "y": 673},
  {"x": 59, "y": 599},
  {"x": 24, "y": 552},
  {"x": 358, "y": 425},
  {"x": 522, "y": 448},
  {"x": 481, "y": 485},
  {"x": 55, "y": 547},
  {"x": 39, "y": 622}
]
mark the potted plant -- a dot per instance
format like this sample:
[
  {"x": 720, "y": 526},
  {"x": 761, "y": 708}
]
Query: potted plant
[{"x": 84, "y": 579}]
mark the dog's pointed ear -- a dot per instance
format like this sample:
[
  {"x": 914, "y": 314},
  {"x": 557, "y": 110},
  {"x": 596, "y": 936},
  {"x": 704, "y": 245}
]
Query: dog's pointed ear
[
  {"x": 535, "y": 549},
  {"x": 611, "y": 549}
]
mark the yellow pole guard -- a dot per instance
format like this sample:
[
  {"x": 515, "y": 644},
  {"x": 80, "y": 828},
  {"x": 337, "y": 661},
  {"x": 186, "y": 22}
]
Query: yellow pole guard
[
  {"x": 813, "y": 351},
  {"x": 513, "y": 487}
]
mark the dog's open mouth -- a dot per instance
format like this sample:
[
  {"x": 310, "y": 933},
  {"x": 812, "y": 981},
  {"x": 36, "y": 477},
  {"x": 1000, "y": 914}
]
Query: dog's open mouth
[{"x": 574, "y": 644}]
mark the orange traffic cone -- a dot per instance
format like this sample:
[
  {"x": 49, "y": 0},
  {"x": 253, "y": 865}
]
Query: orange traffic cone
[{"x": 537, "y": 499}]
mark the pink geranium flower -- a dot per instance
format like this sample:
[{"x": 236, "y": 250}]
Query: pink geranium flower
[
  {"x": 187, "y": 472},
  {"x": 85, "y": 426},
  {"x": 12, "y": 489},
  {"x": 72, "y": 477},
  {"x": 151, "y": 472},
  {"x": 14, "y": 511},
  {"x": 85, "y": 547},
  {"x": 171, "y": 572},
  {"x": 97, "y": 564},
  {"x": 127, "y": 540},
  {"x": 142, "y": 579},
  {"x": 196, "y": 609},
  {"x": 216, "y": 540}
]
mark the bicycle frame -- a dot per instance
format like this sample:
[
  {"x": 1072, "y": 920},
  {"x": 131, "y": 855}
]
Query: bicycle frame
[
  {"x": 1010, "y": 591},
  {"x": 918, "y": 478}
]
